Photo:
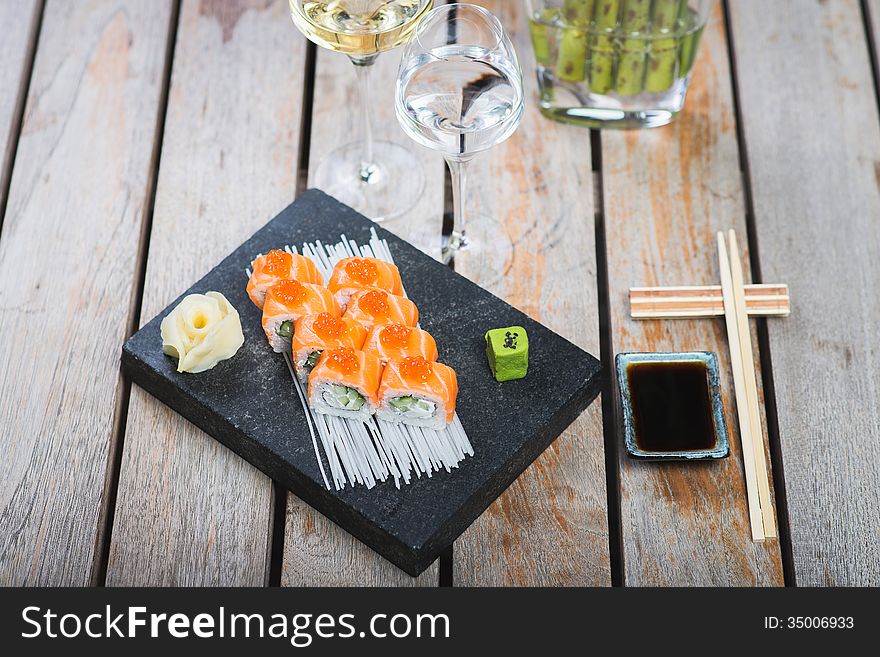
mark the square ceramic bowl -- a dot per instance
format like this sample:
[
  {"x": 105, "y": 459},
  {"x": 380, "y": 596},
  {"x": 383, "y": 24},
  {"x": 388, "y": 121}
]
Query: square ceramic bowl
[{"x": 721, "y": 447}]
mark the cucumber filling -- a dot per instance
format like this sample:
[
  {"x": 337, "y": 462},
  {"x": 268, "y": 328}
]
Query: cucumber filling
[
  {"x": 342, "y": 397},
  {"x": 413, "y": 408},
  {"x": 286, "y": 329},
  {"x": 309, "y": 363}
]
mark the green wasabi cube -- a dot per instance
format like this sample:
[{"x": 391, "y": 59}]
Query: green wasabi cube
[{"x": 508, "y": 352}]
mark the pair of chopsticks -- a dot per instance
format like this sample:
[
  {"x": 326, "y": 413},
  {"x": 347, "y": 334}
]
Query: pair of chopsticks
[
  {"x": 693, "y": 301},
  {"x": 745, "y": 387}
]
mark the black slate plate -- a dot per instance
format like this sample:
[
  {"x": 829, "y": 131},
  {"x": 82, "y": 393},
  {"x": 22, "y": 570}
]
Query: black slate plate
[{"x": 249, "y": 404}]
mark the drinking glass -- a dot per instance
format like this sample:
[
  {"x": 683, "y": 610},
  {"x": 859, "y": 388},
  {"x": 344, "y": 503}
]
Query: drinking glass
[
  {"x": 459, "y": 91},
  {"x": 615, "y": 63},
  {"x": 379, "y": 178}
]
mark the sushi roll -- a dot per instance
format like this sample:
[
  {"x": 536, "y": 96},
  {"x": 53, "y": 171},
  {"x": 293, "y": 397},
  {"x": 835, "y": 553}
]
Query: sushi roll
[
  {"x": 417, "y": 392},
  {"x": 376, "y": 308},
  {"x": 277, "y": 266},
  {"x": 313, "y": 334},
  {"x": 351, "y": 275},
  {"x": 286, "y": 302},
  {"x": 398, "y": 341},
  {"x": 345, "y": 383}
]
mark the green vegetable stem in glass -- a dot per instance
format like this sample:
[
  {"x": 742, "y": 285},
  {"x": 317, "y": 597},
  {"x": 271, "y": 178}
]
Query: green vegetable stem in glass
[{"x": 615, "y": 63}]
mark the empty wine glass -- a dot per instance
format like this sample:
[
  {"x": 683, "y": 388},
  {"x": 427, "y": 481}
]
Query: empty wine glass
[
  {"x": 459, "y": 91},
  {"x": 369, "y": 175}
]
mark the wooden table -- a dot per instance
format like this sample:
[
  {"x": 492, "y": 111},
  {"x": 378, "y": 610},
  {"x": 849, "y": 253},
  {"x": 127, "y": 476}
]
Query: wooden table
[{"x": 142, "y": 140}]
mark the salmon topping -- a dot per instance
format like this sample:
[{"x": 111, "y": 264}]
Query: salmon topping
[
  {"x": 375, "y": 303},
  {"x": 328, "y": 327},
  {"x": 363, "y": 271},
  {"x": 395, "y": 335},
  {"x": 291, "y": 292},
  {"x": 343, "y": 360},
  {"x": 278, "y": 263},
  {"x": 415, "y": 369}
]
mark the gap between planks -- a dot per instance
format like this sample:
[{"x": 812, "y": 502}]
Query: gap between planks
[
  {"x": 867, "y": 21},
  {"x": 766, "y": 361},
  {"x": 8, "y": 161},
  {"x": 606, "y": 355},
  {"x": 120, "y": 412}
]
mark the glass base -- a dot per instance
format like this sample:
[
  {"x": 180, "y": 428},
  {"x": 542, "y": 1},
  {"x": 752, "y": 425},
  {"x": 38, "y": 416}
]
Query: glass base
[
  {"x": 610, "y": 118},
  {"x": 574, "y": 102},
  {"x": 454, "y": 244},
  {"x": 470, "y": 245},
  {"x": 387, "y": 189}
]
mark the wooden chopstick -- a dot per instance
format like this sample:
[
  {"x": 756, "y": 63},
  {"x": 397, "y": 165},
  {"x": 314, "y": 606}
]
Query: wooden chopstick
[
  {"x": 752, "y": 289},
  {"x": 742, "y": 405},
  {"x": 762, "y": 300},
  {"x": 751, "y": 385}
]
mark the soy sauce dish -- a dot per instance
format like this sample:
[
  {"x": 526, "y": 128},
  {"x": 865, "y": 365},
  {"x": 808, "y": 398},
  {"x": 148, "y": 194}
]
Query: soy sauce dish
[{"x": 671, "y": 406}]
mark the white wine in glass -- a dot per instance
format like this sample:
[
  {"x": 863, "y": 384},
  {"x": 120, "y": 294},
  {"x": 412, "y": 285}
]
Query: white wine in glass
[
  {"x": 359, "y": 27},
  {"x": 380, "y": 179}
]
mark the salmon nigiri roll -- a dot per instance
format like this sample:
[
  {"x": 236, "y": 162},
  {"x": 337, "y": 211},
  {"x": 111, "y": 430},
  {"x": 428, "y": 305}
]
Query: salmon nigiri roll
[
  {"x": 418, "y": 392},
  {"x": 286, "y": 302},
  {"x": 345, "y": 382},
  {"x": 314, "y": 334},
  {"x": 376, "y": 307},
  {"x": 398, "y": 341},
  {"x": 277, "y": 266},
  {"x": 353, "y": 274}
]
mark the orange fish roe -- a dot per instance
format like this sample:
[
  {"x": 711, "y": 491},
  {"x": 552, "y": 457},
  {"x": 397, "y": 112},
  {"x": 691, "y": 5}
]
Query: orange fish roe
[
  {"x": 291, "y": 292},
  {"x": 363, "y": 271},
  {"x": 343, "y": 360},
  {"x": 328, "y": 327},
  {"x": 375, "y": 303},
  {"x": 278, "y": 263},
  {"x": 415, "y": 368},
  {"x": 395, "y": 335}
]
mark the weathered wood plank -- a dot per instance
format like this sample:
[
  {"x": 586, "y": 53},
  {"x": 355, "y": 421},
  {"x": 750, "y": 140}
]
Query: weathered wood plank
[
  {"x": 317, "y": 552},
  {"x": 667, "y": 192},
  {"x": 20, "y": 25},
  {"x": 810, "y": 127},
  {"x": 68, "y": 256},
  {"x": 189, "y": 511},
  {"x": 550, "y": 527}
]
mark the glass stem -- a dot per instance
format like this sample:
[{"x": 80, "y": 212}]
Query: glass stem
[
  {"x": 458, "y": 173},
  {"x": 363, "y": 67}
]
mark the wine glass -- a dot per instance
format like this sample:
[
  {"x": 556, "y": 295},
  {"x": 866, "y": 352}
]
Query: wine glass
[
  {"x": 459, "y": 91},
  {"x": 379, "y": 178}
]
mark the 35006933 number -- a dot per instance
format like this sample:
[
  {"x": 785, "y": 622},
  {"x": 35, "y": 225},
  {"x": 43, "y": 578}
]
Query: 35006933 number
[{"x": 809, "y": 622}]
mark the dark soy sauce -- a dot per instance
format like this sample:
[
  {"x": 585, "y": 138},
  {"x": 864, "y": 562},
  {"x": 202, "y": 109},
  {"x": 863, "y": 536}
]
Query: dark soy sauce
[{"x": 672, "y": 408}]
